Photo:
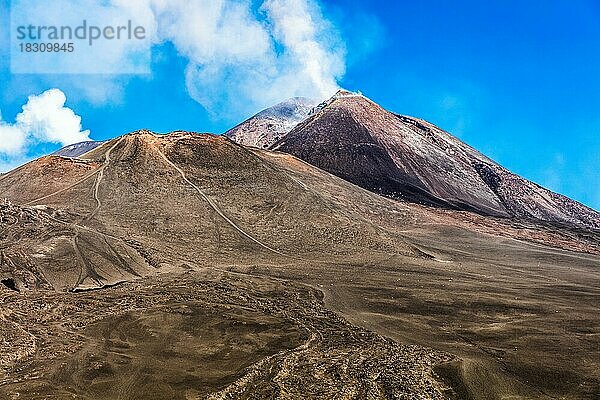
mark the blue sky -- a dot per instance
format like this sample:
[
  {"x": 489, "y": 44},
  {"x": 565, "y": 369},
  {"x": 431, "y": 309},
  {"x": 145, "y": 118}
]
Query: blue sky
[{"x": 518, "y": 80}]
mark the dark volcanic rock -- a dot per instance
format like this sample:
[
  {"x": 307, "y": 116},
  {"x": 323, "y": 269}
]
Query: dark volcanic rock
[{"x": 407, "y": 158}]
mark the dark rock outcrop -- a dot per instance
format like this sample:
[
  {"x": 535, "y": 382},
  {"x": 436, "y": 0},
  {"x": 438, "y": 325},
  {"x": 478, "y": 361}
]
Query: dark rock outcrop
[{"x": 407, "y": 158}]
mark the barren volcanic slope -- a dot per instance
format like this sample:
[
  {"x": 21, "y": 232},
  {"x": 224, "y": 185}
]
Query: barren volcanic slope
[
  {"x": 186, "y": 266},
  {"x": 77, "y": 149},
  {"x": 145, "y": 206},
  {"x": 407, "y": 158},
  {"x": 268, "y": 126}
]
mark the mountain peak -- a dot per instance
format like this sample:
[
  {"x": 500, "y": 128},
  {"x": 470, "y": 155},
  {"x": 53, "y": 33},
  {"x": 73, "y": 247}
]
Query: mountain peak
[
  {"x": 346, "y": 93},
  {"x": 292, "y": 108},
  {"x": 409, "y": 159},
  {"x": 269, "y": 125},
  {"x": 78, "y": 149}
]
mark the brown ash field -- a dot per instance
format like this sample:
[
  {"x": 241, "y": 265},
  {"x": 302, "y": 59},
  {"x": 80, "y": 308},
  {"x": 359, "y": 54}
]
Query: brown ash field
[{"x": 186, "y": 266}]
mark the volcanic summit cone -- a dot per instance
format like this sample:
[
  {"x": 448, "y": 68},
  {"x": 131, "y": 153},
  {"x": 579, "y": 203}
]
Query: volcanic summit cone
[{"x": 407, "y": 158}]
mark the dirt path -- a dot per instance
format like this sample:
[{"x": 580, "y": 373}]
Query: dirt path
[
  {"x": 100, "y": 177},
  {"x": 87, "y": 271},
  {"x": 85, "y": 178},
  {"x": 216, "y": 208}
]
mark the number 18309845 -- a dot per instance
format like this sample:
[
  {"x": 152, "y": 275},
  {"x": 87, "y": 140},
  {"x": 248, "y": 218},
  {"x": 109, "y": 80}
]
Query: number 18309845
[{"x": 47, "y": 47}]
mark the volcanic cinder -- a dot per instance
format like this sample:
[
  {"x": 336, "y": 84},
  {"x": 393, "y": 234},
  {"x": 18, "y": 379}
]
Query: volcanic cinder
[{"x": 366, "y": 255}]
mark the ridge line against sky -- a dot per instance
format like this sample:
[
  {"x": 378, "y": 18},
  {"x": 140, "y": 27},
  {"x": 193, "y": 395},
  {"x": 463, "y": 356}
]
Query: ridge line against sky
[{"x": 516, "y": 81}]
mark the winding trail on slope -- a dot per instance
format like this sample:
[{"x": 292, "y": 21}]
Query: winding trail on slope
[
  {"x": 100, "y": 177},
  {"x": 80, "y": 228},
  {"x": 85, "y": 178},
  {"x": 216, "y": 208},
  {"x": 87, "y": 271}
]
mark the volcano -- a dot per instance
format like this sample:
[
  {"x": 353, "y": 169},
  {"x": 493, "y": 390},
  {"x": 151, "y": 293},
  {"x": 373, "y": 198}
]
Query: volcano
[
  {"x": 407, "y": 158},
  {"x": 190, "y": 266}
]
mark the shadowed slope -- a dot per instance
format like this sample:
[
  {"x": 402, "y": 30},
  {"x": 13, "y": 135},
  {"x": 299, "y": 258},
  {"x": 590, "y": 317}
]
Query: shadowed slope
[{"x": 406, "y": 158}]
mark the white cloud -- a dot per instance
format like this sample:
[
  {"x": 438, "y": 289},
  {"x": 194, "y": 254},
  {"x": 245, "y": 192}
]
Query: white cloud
[
  {"x": 241, "y": 54},
  {"x": 44, "y": 119},
  {"x": 293, "y": 51},
  {"x": 307, "y": 39},
  {"x": 86, "y": 19},
  {"x": 241, "y": 58},
  {"x": 12, "y": 138}
]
